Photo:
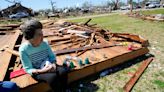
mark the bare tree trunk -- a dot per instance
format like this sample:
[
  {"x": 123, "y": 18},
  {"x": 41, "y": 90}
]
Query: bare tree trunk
[
  {"x": 115, "y": 4},
  {"x": 131, "y": 6},
  {"x": 52, "y": 5}
]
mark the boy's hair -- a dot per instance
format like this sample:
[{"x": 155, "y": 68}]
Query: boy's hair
[{"x": 29, "y": 28}]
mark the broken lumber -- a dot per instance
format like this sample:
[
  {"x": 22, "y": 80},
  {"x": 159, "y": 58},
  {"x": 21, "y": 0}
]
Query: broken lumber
[
  {"x": 60, "y": 52},
  {"x": 67, "y": 41},
  {"x": 74, "y": 43},
  {"x": 86, "y": 23},
  {"x": 129, "y": 85},
  {"x": 92, "y": 39},
  {"x": 60, "y": 39},
  {"x": 132, "y": 37}
]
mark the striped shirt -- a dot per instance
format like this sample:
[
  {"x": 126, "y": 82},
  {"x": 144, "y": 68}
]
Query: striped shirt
[{"x": 33, "y": 57}]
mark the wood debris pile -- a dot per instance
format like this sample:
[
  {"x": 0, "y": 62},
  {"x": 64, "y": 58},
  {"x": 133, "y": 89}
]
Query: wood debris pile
[
  {"x": 8, "y": 28},
  {"x": 74, "y": 35},
  {"x": 156, "y": 17}
]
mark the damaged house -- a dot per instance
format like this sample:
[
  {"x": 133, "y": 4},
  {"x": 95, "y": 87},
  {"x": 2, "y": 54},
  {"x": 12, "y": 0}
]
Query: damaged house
[{"x": 17, "y": 7}]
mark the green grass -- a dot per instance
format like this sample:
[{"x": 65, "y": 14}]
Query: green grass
[
  {"x": 149, "y": 12},
  {"x": 159, "y": 83},
  {"x": 154, "y": 32},
  {"x": 10, "y": 21}
]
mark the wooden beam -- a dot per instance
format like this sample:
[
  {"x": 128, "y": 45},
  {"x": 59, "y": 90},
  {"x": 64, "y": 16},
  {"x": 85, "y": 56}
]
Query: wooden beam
[
  {"x": 11, "y": 25},
  {"x": 60, "y": 39},
  {"x": 129, "y": 85}
]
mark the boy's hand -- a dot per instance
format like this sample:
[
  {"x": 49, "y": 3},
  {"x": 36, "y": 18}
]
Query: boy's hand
[
  {"x": 35, "y": 71},
  {"x": 49, "y": 68},
  {"x": 53, "y": 68}
]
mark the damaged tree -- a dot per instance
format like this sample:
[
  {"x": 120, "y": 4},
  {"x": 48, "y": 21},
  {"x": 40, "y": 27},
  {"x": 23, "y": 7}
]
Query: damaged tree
[
  {"x": 53, "y": 5},
  {"x": 13, "y": 1},
  {"x": 115, "y": 2},
  {"x": 131, "y": 6}
]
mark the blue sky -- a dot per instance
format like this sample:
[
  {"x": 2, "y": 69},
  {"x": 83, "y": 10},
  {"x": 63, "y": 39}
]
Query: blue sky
[{"x": 45, "y": 4}]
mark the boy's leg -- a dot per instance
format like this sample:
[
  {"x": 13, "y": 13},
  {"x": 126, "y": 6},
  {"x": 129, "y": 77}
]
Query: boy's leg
[
  {"x": 51, "y": 79},
  {"x": 63, "y": 76}
]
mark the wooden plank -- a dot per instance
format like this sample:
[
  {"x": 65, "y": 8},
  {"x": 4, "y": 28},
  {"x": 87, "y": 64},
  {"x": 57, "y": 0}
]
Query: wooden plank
[
  {"x": 5, "y": 28},
  {"x": 11, "y": 25},
  {"x": 60, "y": 39},
  {"x": 129, "y": 85},
  {"x": 3, "y": 40},
  {"x": 5, "y": 58}
]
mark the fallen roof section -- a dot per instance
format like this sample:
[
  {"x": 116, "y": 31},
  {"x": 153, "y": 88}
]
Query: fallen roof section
[{"x": 98, "y": 49}]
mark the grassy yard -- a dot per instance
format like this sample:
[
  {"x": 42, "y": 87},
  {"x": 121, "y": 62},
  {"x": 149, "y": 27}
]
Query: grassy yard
[{"x": 153, "y": 78}]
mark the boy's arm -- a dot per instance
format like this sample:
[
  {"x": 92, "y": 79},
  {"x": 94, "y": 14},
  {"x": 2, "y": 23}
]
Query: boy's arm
[
  {"x": 51, "y": 54},
  {"x": 26, "y": 62}
]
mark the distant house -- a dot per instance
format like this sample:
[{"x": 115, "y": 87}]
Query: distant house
[{"x": 17, "y": 7}]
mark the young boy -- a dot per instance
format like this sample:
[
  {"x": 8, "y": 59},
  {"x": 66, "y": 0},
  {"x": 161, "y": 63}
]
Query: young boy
[{"x": 38, "y": 59}]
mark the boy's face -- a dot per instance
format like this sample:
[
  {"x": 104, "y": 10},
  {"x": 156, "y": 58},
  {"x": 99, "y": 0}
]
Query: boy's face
[{"x": 38, "y": 37}]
